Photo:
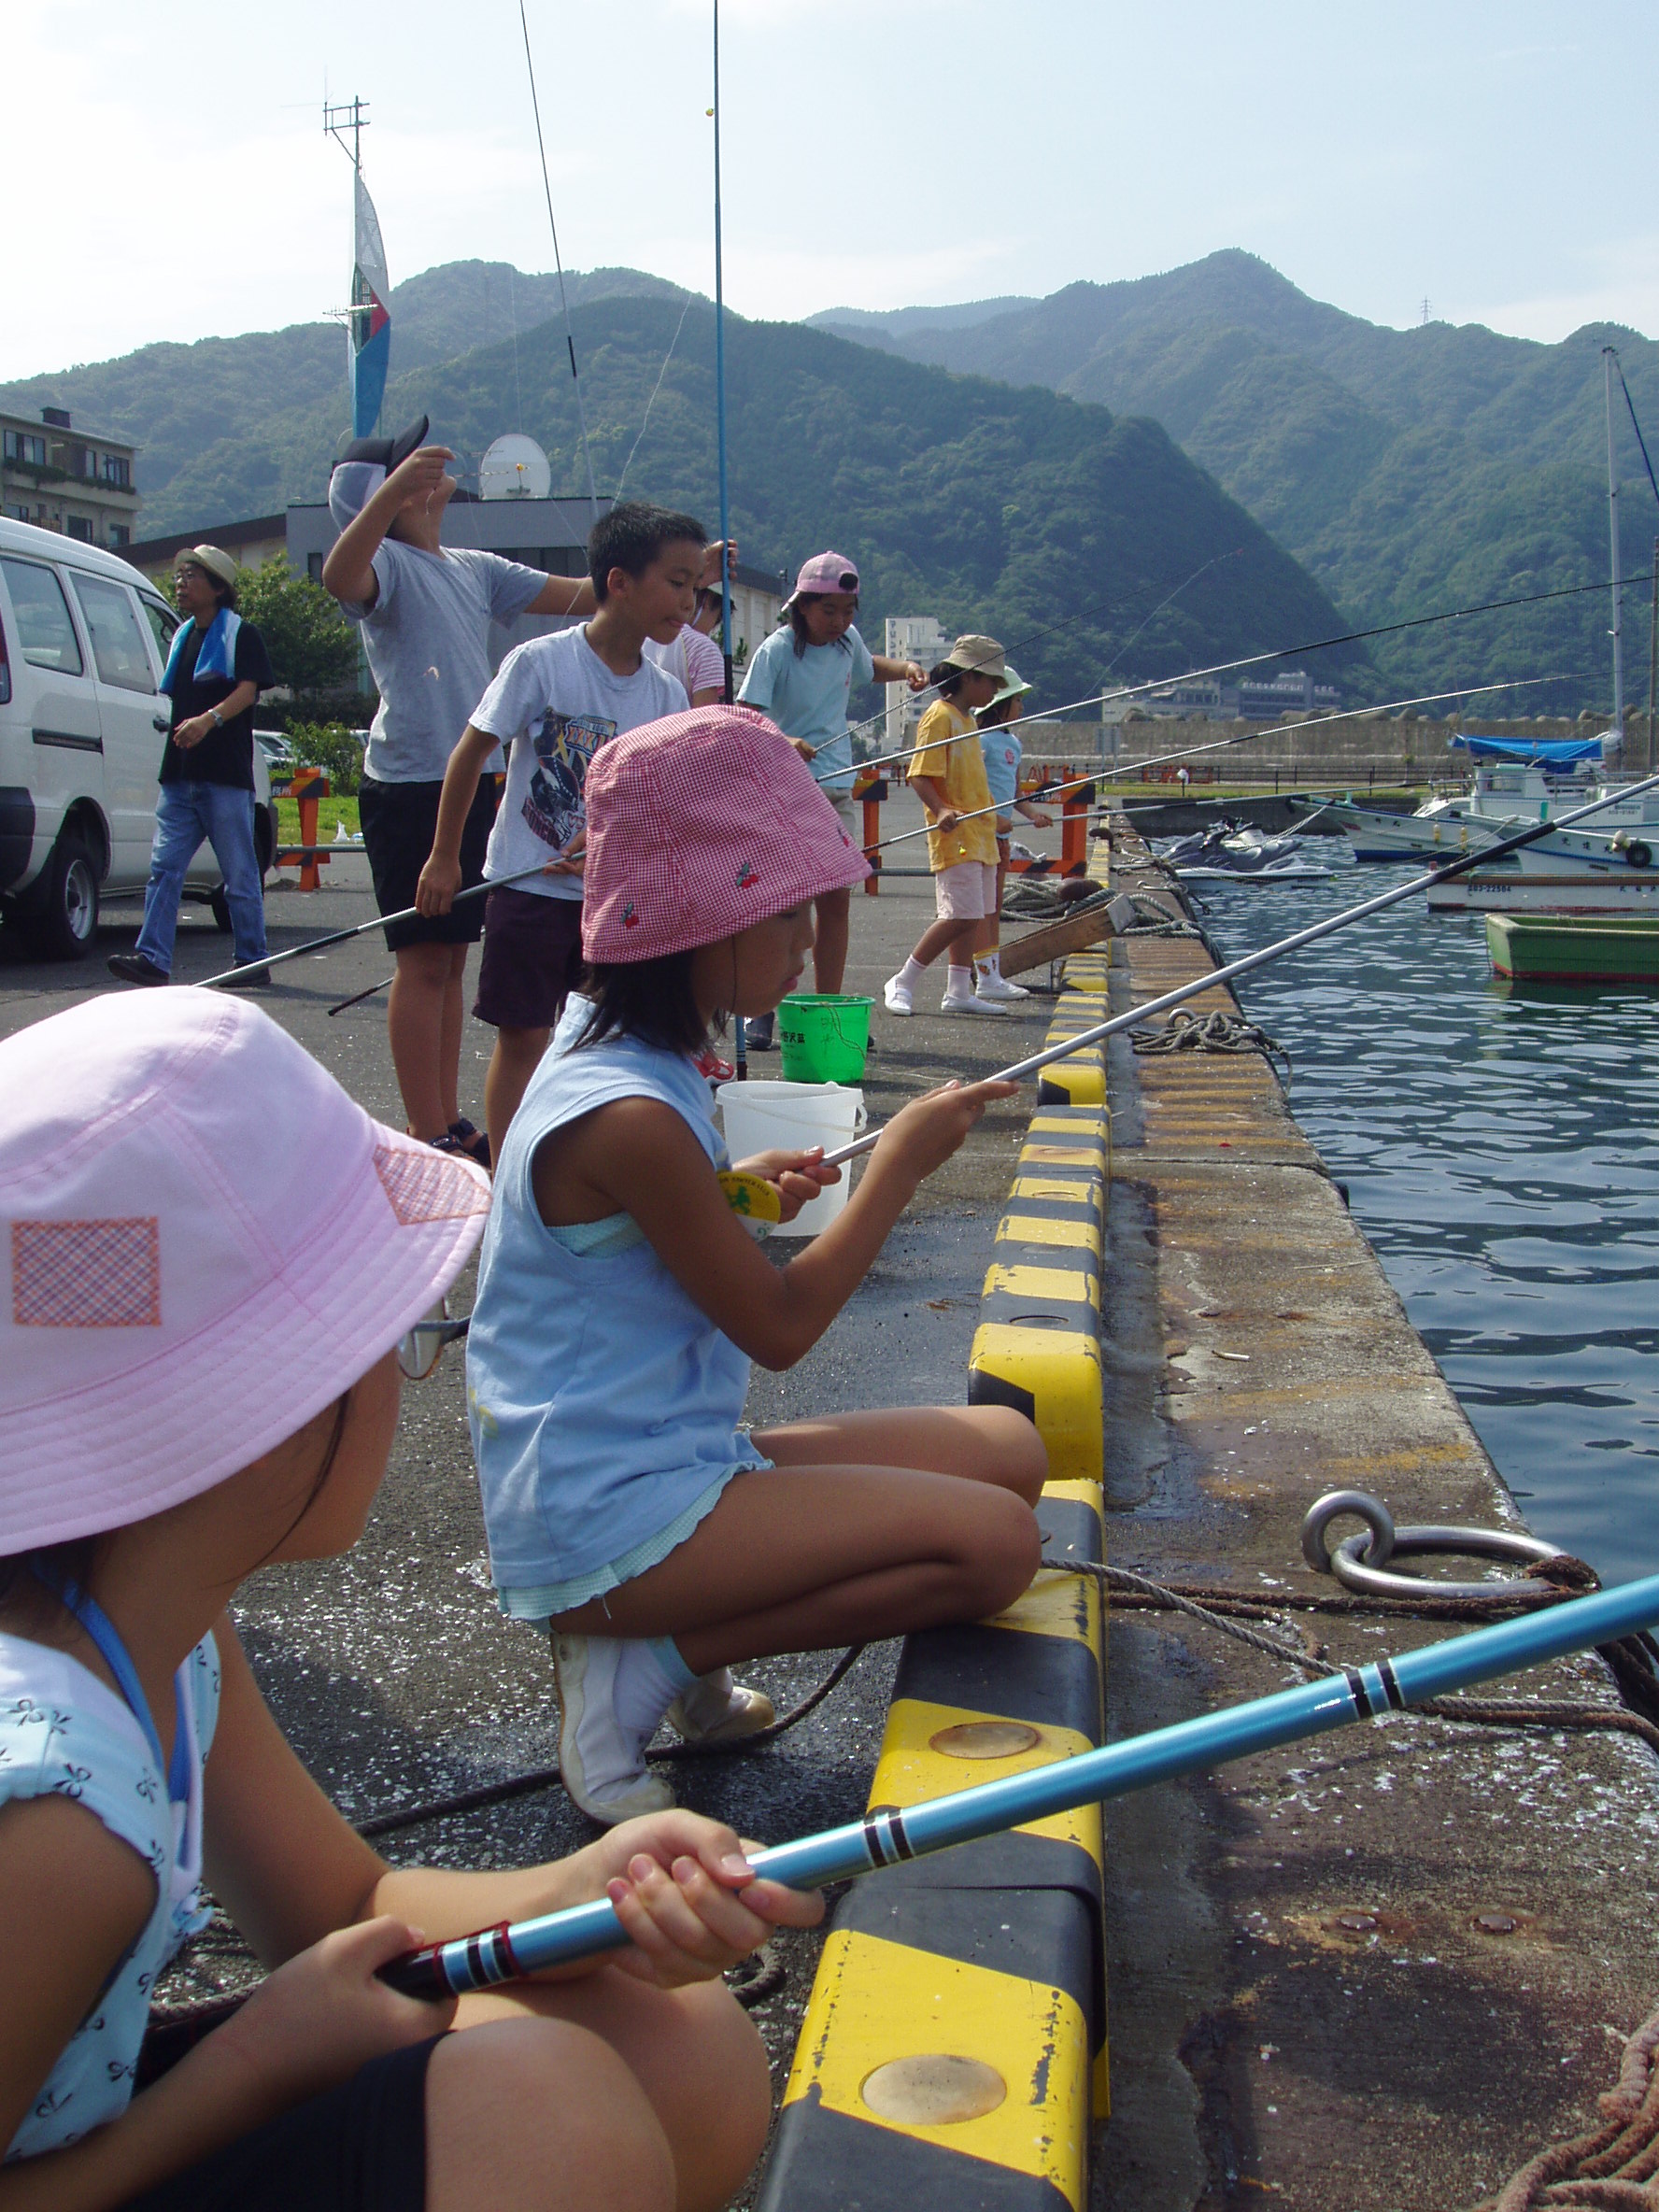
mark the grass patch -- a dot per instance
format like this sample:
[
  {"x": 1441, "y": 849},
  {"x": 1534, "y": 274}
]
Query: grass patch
[{"x": 331, "y": 813}]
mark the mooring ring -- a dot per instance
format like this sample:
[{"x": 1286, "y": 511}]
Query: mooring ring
[
  {"x": 1377, "y": 1543},
  {"x": 1354, "y": 1571}
]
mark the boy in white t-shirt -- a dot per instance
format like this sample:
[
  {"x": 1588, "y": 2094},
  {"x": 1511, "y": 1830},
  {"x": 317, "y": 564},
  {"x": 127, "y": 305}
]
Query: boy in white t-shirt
[
  {"x": 554, "y": 702},
  {"x": 694, "y": 659}
]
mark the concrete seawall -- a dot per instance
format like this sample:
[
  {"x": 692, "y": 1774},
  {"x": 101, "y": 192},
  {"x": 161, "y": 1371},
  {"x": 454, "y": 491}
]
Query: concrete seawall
[{"x": 1382, "y": 1971}]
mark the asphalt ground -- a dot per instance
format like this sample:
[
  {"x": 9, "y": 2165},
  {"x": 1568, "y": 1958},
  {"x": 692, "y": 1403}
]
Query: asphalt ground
[{"x": 390, "y": 1669}]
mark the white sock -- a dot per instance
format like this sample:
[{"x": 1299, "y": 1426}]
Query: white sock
[
  {"x": 959, "y": 983},
  {"x": 989, "y": 963},
  {"x": 650, "y": 1675},
  {"x": 911, "y": 973}
]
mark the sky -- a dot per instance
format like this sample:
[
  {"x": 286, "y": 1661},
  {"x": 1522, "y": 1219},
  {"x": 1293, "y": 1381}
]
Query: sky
[{"x": 1493, "y": 161}]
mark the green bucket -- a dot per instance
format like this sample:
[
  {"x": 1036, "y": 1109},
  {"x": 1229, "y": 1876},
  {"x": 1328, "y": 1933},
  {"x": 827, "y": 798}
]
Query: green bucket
[{"x": 825, "y": 1037}]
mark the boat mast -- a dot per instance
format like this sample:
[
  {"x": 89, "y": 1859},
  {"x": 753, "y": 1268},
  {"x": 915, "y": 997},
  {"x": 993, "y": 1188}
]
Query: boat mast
[{"x": 1607, "y": 363}]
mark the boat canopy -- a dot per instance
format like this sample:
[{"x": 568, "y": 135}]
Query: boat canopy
[{"x": 1540, "y": 752}]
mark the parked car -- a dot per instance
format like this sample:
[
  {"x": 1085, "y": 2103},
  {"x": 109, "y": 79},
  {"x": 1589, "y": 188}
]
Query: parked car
[{"x": 84, "y": 642}]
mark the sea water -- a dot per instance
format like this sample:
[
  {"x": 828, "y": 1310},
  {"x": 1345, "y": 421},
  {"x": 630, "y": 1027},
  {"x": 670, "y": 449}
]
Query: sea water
[{"x": 1500, "y": 1146}]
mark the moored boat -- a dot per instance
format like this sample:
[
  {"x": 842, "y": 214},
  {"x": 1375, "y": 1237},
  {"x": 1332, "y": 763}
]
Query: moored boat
[
  {"x": 1517, "y": 781},
  {"x": 1575, "y": 948}
]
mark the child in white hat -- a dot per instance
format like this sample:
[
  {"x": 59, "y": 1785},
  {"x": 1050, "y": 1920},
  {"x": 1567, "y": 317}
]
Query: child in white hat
[{"x": 203, "y": 1332}]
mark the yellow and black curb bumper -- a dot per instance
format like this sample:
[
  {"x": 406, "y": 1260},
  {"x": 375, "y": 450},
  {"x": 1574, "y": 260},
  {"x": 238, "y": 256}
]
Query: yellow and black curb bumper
[{"x": 953, "y": 2056}]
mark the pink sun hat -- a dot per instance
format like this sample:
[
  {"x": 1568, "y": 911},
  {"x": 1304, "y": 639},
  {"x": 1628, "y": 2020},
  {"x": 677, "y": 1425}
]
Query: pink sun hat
[
  {"x": 698, "y": 826},
  {"x": 206, "y": 1243},
  {"x": 826, "y": 572}
]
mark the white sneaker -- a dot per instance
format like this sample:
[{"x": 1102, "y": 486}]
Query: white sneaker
[
  {"x": 897, "y": 995},
  {"x": 967, "y": 1003},
  {"x": 717, "y": 1709},
  {"x": 997, "y": 985},
  {"x": 603, "y": 1763}
]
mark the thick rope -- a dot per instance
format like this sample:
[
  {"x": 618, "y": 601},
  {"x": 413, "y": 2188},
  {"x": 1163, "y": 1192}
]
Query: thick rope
[
  {"x": 1609, "y": 2168},
  {"x": 1218, "y": 1031}
]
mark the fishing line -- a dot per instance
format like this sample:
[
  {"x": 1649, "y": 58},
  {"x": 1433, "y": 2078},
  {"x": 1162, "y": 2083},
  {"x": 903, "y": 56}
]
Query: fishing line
[
  {"x": 1636, "y": 427},
  {"x": 563, "y": 302},
  {"x": 1283, "y": 653},
  {"x": 1098, "y": 775},
  {"x": 1484, "y": 857},
  {"x": 652, "y": 400},
  {"x": 1372, "y": 1689}
]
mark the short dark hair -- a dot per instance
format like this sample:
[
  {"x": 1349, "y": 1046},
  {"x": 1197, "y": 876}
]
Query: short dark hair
[
  {"x": 947, "y": 678},
  {"x": 632, "y": 536},
  {"x": 651, "y": 1000}
]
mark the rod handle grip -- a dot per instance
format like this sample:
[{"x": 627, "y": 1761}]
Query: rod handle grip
[{"x": 416, "y": 1974}]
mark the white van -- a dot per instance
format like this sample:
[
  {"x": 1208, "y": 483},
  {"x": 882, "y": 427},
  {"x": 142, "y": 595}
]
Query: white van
[{"x": 84, "y": 642}]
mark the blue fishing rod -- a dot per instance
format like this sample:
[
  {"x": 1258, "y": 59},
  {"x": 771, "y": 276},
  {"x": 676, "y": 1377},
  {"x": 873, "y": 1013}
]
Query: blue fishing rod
[{"x": 1368, "y": 1693}]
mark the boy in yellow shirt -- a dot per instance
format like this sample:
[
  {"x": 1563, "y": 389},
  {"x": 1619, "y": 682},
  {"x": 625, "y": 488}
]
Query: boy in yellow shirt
[{"x": 949, "y": 778}]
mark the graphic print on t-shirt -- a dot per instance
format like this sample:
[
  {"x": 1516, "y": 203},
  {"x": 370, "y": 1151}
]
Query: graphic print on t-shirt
[{"x": 564, "y": 745}]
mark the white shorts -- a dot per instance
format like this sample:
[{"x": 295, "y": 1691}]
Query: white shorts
[{"x": 966, "y": 891}]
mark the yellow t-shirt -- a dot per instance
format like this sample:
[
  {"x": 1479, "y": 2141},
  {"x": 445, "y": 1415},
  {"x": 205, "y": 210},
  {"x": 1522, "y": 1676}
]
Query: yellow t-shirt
[{"x": 960, "y": 768}]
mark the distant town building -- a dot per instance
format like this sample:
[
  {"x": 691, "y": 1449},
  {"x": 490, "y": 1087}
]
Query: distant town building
[
  {"x": 76, "y": 482},
  {"x": 909, "y": 637},
  {"x": 1252, "y": 699},
  {"x": 252, "y": 543}
]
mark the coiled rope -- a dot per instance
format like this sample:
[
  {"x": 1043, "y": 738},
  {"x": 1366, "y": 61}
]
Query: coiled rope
[
  {"x": 1614, "y": 2167},
  {"x": 1211, "y": 1032}
]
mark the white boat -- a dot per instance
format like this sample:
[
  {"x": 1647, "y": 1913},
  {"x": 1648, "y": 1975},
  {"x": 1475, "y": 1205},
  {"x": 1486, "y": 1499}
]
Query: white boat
[
  {"x": 1518, "y": 781},
  {"x": 1534, "y": 881}
]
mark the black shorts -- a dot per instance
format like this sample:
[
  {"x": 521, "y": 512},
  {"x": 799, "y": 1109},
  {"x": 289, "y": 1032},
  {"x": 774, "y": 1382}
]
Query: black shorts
[
  {"x": 533, "y": 958},
  {"x": 398, "y": 822},
  {"x": 360, "y": 2147}
]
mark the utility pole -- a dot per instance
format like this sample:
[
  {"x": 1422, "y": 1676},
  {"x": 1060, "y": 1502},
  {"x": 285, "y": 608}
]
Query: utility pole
[{"x": 1653, "y": 657}]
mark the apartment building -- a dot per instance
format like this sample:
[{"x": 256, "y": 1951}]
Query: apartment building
[{"x": 78, "y": 482}]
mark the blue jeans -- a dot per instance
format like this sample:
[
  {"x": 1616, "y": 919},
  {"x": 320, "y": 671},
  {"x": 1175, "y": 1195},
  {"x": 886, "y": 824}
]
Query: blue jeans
[{"x": 186, "y": 815}]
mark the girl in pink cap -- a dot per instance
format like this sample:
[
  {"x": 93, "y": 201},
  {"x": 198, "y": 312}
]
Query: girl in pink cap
[
  {"x": 164, "y": 1254},
  {"x": 621, "y": 1300}
]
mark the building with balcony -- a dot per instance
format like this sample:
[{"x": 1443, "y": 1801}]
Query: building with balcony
[{"x": 75, "y": 481}]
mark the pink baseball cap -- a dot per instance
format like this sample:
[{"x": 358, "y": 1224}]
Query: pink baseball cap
[
  {"x": 699, "y": 824},
  {"x": 206, "y": 1243},
  {"x": 826, "y": 572}
]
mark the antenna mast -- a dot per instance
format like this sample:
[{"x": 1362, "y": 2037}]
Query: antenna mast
[
  {"x": 1608, "y": 359},
  {"x": 338, "y": 116}
]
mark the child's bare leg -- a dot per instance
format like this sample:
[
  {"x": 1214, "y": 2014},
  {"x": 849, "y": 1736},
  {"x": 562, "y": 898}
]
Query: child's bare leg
[
  {"x": 799, "y": 1558},
  {"x": 534, "y": 2114},
  {"x": 417, "y": 1019},
  {"x": 944, "y": 936},
  {"x": 516, "y": 1059},
  {"x": 830, "y": 945},
  {"x": 449, "y": 1047},
  {"x": 981, "y": 1443},
  {"x": 694, "y": 2054}
]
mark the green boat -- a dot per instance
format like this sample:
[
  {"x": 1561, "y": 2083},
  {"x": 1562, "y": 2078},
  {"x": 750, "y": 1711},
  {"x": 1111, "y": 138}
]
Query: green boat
[{"x": 1574, "y": 948}]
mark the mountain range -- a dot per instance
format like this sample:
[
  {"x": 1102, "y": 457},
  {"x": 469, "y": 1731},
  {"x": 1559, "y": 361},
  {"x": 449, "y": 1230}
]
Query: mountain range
[
  {"x": 1408, "y": 469},
  {"x": 1049, "y": 521}
]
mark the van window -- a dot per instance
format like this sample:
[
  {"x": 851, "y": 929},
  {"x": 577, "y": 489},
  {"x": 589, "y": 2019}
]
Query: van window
[
  {"x": 163, "y": 620},
  {"x": 45, "y": 632},
  {"x": 117, "y": 643}
]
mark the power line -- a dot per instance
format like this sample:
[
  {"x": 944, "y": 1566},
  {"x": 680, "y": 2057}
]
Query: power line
[{"x": 569, "y": 336}]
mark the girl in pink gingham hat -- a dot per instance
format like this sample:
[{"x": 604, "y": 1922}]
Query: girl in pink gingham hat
[
  {"x": 217, "y": 1266},
  {"x": 621, "y": 1299}
]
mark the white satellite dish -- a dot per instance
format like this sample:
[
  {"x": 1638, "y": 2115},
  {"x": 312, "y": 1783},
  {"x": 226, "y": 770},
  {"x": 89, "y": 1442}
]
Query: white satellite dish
[{"x": 514, "y": 467}]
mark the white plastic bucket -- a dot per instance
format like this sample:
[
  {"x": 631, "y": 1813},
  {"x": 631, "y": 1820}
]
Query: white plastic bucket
[{"x": 792, "y": 1116}]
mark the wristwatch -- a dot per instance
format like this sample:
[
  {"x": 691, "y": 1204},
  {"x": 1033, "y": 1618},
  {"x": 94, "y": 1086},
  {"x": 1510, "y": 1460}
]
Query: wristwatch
[{"x": 217, "y": 719}]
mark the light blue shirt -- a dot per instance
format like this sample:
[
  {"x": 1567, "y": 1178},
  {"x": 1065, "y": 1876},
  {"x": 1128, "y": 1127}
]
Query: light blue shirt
[
  {"x": 1003, "y": 753},
  {"x": 64, "y": 1732},
  {"x": 806, "y": 695},
  {"x": 604, "y": 1402}
]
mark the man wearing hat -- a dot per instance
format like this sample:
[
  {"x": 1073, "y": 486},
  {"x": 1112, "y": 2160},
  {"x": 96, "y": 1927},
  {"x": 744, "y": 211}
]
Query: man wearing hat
[{"x": 216, "y": 671}]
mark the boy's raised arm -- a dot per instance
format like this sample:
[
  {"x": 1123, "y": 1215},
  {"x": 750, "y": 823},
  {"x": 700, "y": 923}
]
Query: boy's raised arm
[{"x": 349, "y": 573}]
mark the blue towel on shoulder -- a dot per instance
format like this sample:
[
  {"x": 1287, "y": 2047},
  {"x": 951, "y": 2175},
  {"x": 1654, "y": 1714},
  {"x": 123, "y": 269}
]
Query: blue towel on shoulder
[{"x": 218, "y": 656}]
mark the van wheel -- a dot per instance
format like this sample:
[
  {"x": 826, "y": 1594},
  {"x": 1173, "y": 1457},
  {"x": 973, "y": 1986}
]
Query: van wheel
[
  {"x": 65, "y": 924},
  {"x": 221, "y": 910}
]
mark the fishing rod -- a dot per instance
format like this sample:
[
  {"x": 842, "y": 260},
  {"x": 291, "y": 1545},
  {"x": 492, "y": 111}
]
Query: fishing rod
[
  {"x": 380, "y": 921},
  {"x": 1219, "y": 744},
  {"x": 741, "y": 1036},
  {"x": 1216, "y": 668},
  {"x": 570, "y": 338},
  {"x": 1484, "y": 857},
  {"x": 1365, "y": 1693}
]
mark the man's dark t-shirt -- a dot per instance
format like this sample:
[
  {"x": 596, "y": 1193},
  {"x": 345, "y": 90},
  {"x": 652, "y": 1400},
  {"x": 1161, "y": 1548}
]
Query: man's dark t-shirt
[{"x": 224, "y": 756}]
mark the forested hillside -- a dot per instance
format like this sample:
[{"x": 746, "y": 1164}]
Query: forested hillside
[
  {"x": 1405, "y": 468},
  {"x": 1047, "y": 521}
]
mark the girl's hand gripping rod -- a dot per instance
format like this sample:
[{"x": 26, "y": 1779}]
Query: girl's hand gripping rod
[
  {"x": 506, "y": 1954},
  {"x": 1482, "y": 858}
]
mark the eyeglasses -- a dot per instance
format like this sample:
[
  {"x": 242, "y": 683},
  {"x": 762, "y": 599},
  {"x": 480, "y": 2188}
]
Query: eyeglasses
[{"x": 420, "y": 1348}]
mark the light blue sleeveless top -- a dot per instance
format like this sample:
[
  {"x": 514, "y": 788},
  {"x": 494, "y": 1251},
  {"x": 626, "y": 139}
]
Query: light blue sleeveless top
[
  {"x": 604, "y": 1402},
  {"x": 64, "y": 1732}
]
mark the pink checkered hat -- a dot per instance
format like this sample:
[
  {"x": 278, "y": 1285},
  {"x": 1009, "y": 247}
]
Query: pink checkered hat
[
  {"x": 699, "y": 824},
  {"x": 206, "y": 1243}
]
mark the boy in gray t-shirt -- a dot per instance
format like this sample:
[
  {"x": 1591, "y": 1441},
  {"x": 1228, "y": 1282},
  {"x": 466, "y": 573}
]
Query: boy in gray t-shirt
[{"x": 554, "y": 703}]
